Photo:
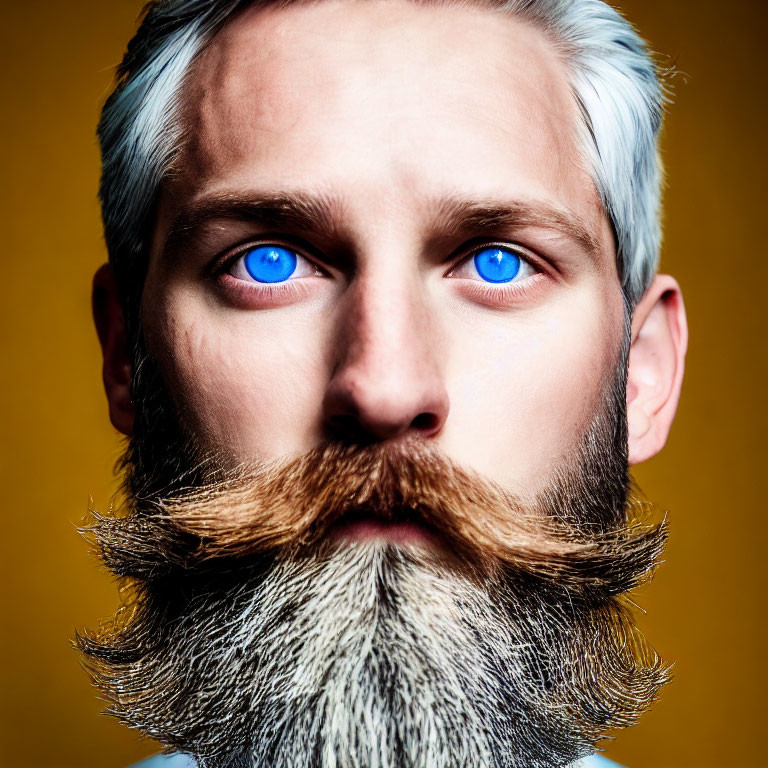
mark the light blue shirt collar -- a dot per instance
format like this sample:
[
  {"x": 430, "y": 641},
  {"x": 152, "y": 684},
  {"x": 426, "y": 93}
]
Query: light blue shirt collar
[{"x": 177, "y": 760}]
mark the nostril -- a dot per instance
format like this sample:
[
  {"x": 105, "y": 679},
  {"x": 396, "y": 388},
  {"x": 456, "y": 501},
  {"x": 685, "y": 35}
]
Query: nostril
[
  {"x": 425, "y": 422},
  {"x": 351, "y": 429}
]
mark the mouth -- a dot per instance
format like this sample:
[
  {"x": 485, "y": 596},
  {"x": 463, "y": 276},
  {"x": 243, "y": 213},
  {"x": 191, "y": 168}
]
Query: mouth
[{"x": 403, "y": 527}]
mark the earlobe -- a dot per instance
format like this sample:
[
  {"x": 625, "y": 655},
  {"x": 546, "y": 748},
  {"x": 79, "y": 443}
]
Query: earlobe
[
  {"x": 656, "y": 365},
  {"x": 116, "y": 370}
]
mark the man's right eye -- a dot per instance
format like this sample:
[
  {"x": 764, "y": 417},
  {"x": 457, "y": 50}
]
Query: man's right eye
[{"x": 271, "y": 263}]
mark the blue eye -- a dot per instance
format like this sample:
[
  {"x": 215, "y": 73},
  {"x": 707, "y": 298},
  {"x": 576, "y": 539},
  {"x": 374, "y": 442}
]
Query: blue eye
[
  {"x": 497, "y": 265},
  {"x": 269, "y": 263}
]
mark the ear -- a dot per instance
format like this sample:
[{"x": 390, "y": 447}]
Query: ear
[
  {"x": 656, "y": 363},
  {"x": 116, "y": 370}
]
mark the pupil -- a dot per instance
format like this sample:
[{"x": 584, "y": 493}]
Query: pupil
[
  {"x": 497, "y": 265},
  {"x": 270, "y": 263}
]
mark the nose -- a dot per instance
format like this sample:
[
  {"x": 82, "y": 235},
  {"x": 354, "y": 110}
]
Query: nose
[{"x": 387, "y": 380}]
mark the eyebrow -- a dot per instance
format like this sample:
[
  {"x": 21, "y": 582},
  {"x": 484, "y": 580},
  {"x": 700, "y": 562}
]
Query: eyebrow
[
  {"x": 316, "y": 213},
  {"x": 458, "y": 215},
  {"x": 321, "y": 215}
]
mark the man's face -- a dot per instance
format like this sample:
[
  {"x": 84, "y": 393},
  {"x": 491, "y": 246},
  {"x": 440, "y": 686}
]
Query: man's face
[
  {"x": 383, "y": 146},
  {"x": 379, "y": 258}
]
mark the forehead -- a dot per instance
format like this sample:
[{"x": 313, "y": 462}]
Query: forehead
[{"x": 386, "y": 101}]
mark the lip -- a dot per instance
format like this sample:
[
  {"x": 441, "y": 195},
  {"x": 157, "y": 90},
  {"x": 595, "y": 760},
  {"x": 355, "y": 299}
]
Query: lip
[{"x": 404, "y": 530}]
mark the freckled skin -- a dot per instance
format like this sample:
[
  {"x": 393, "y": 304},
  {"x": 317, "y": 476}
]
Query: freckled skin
[{"x": 389, "y": 106}]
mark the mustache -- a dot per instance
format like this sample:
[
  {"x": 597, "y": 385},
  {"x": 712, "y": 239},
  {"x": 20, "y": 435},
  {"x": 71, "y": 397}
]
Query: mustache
[{"x": 292, "y": 506}]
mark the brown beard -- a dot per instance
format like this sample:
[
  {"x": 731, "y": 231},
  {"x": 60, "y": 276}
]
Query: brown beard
[{"x": 202, "y": 545}]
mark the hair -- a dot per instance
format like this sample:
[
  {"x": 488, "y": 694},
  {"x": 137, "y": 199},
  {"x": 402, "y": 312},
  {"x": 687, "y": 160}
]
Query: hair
[
  {"x": 253, "y": 639},
  {"x": 612, "y": 75}
]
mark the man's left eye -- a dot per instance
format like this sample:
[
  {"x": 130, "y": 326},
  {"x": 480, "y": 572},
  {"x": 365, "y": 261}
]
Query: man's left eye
[
  {"x": 495, "y": 265},
  {"x": 271, "y": 264}
]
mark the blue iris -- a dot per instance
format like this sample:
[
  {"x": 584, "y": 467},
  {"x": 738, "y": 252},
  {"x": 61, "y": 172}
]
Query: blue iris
[
  {"x": 497, "y": 265},
  {"x": 270, "y": 263}
]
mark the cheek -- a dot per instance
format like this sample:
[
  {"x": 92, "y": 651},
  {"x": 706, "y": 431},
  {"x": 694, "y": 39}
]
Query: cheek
[
  {"x": 243, "y": 383},
  {"x": 524, "y": 392}
]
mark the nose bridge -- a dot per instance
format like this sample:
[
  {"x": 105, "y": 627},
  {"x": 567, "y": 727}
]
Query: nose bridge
[
  {"x": 387, "y": 378},
  {"x": 386, "y": 325}
]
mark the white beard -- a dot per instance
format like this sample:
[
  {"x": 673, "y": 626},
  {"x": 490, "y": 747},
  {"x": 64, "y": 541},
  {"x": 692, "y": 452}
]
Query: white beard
[{"x": 373, "y": 657}]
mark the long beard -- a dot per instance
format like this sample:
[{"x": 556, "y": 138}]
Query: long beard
[{"x": 255, "y": 638}]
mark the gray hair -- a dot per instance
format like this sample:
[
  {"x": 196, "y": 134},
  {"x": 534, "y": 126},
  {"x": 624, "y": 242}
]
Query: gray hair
[{"x": 613, "y": 78}]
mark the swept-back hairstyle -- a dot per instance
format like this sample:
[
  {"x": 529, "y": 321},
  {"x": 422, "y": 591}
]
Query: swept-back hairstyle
[{"x": 613, "y": 79}]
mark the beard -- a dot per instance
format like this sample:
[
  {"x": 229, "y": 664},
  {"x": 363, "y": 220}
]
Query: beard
[{"x": 256, "y": 638}]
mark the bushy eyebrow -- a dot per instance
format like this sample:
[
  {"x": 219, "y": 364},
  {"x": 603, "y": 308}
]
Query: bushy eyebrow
[
  {"x": 316, "y": 214},
  {"x": 456, "y": 216},
  {"x": 321, "y": 215}
]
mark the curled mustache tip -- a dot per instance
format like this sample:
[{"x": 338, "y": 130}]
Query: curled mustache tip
[{"x": 295, "y": 504}]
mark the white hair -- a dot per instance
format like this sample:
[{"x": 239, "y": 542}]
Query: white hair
[
  {"x": 361, "y": 656},
  {"x": 613, "y": 79}
]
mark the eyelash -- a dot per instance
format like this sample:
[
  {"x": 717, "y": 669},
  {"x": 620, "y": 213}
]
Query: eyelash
[{"x": 295, "y": 289}]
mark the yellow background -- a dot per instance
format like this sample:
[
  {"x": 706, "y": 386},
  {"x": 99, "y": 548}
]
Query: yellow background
[{"x": 706, "y": 609}]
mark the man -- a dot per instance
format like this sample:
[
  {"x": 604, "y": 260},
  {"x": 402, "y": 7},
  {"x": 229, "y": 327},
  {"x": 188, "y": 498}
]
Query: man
[{"x": 382, "y": 323}]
